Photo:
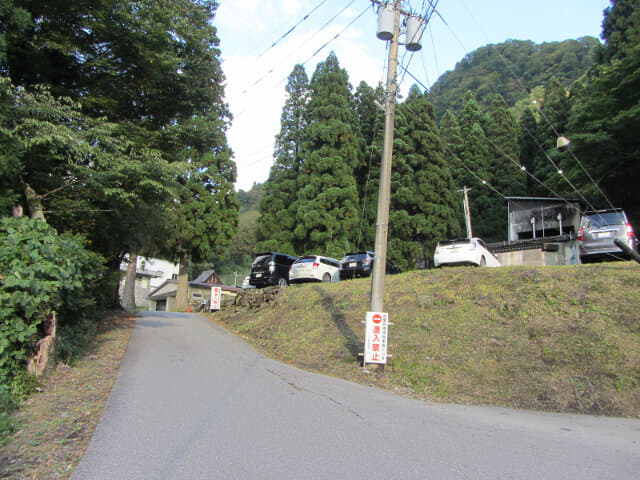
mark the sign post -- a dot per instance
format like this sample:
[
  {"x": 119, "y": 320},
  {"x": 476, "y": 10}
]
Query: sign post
[
  {"x": 216, "y": 297},
  {"x": 375, "y": 338}
]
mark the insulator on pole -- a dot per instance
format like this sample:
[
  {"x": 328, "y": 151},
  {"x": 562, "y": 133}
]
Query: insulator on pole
[
  {"x": 385, "y": 22},
  {"x": 415, "y": 29}
]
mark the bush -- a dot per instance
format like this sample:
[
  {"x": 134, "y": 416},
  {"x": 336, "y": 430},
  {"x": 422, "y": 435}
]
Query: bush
[{"x": 43, "y": 273}]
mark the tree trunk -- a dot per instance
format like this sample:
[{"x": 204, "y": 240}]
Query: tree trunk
[
  {"x": 129, "y": 291},
  {"x": 183, "y": 283},
  {"x": 34, "y": 203}
]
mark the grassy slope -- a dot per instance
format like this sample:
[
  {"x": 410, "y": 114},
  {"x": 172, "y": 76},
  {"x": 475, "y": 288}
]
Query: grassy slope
[
  {"x": 54, "y": 427},
  {"x": 551, "y": 338}
]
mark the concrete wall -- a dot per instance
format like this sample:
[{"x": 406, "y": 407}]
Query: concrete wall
[{"x": 566, "y": 254}]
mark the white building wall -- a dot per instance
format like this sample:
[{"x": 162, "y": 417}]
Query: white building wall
[{"x": 150, "y": 274}]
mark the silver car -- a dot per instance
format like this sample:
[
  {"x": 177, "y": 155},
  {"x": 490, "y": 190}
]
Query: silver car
[
  {"x": 598, "y": 230},
  {"x": 315, "y": 268}
]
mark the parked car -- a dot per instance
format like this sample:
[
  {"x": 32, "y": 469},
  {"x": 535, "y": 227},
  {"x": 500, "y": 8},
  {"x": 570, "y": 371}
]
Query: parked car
[
  {"x": 270, "y": 268},
  {"x": 315, "y": 268},
  {"x": 598, "y": 230},
  {"x": 464, "y": 251},
  {"x": 360, "y": 264},
  {"x": 356, "y": 264}
]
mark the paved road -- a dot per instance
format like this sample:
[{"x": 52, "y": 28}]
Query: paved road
[{"x": 194, "y": 402}]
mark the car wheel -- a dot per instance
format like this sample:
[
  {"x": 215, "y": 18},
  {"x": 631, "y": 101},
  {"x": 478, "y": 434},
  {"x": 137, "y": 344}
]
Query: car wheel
[
  {"x": 326, "y": 278},
  {"x": 483, "y": 262},
  {"x": 282, "y": 282}
]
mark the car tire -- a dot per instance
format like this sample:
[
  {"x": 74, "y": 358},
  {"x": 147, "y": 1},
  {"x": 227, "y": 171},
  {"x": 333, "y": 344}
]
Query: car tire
[
  {"x": 282, "y": 282},
  {"x": 483, "y": 262},
  {"x": 326, "y": 278}
]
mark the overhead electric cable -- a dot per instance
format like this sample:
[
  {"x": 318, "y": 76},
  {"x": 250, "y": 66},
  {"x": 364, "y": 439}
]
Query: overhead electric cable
[
  {"x": 303, "y": 63},
  {"x": 298, "y": 47},
  {"x": 294, "y": 27},
  {"x": 337, "y": 35}
]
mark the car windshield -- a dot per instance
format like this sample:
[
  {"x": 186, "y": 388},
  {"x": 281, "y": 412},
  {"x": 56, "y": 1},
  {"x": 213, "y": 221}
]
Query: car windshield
[
  {"x": 262, "y": 259},
  {"x": 455, "y": 242},
  {"x": 355, "y": 257},
  {"x": 604, "y": 219}
]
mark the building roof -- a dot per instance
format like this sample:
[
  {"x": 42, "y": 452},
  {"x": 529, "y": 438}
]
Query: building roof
[
  {"x": 205, "y": 276},
  {"x": 172, "y": 291}
]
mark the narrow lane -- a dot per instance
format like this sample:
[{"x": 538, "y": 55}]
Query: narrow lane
[{"x": 194, "y": 402}]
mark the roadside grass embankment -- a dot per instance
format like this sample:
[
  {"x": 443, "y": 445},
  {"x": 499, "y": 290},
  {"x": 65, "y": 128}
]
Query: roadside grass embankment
[
  {"x": 54, "y": 425},
  {"x": 564, "y": 339}
]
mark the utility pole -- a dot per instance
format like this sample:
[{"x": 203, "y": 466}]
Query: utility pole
[
  {"x": 467, "y": 211},
  {"x": 376, "y": 329},
  {"x": 384, "y": 193}
]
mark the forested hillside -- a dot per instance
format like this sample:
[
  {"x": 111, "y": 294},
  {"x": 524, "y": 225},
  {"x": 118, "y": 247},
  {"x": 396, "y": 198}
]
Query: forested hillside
[{"x": 512, "y": 69}]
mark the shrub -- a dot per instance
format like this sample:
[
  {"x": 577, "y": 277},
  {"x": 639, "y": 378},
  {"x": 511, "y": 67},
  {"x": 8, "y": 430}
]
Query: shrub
[{"x": 43, "y": 273}]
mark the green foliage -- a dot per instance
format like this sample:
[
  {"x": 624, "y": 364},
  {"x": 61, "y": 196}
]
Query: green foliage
[
  {"x": 43, "y": 273},
  {"x": 620, "y": 30},
  {"x": 277, "y": 219},
  {"x": 422, "y": 200},
  {"x": 511, "y": 69},
  {"x": 327, "y": 210},
  {"x": 367, "y": 171},
  {"x": 503, "y": 167},
  {"x": 250, "y": 199},
  {"x": 605, "y": 121},
  {"x": 126, "y": 142}
]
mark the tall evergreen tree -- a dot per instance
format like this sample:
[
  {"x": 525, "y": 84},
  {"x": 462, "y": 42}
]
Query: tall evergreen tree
[
  {"x": 481, "y": 197},
  {"x": 423, "y": 196},
  {"x": 475, "y": 171},
  {"x": 327, "y": 211},
  {"x": 554, "y": 115},
  {"x": 504, "y": 174},
  {"x": 620, "y": 31},
  {"x": 471, "y": 114},
  {"x": 277, "y": 219},
  {"x": 604, "y": 126},
  {"x": 367, "y": 172},
  {"x": 529, "y": 148},
  {"x": 453, "y": 148}
]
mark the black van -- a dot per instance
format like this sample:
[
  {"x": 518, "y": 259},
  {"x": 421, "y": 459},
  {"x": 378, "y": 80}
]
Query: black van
[{"x": 270, "y": 268}]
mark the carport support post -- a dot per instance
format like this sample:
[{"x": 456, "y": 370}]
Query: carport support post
[{"x": 384, "y": 193}]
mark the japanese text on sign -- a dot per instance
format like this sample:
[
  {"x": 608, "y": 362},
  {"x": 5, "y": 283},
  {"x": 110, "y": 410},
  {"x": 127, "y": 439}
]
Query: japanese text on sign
[
  {"x": 375, "y": 337},
  {"x": 216, "y": 294}
]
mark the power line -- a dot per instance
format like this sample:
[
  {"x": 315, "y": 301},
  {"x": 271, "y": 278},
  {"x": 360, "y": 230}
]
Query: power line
[
  {"x": 306, "y": 61},
  {"x": 294, "y": 27},
  {"x": 298, "y": 47}
]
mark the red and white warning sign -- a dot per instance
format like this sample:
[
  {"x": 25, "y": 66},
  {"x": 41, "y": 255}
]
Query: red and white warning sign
[
  {"x": 216, "y": 295},
  {"x": 375, "y": 337}
]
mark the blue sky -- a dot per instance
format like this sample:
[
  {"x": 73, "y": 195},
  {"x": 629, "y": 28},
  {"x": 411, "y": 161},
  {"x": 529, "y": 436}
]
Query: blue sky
[{"x": 256, "y": 72}]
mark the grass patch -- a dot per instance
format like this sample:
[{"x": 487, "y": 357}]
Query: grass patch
[
  {"x": 563, "y": 339},
  {"x": 53, "y": 427}
]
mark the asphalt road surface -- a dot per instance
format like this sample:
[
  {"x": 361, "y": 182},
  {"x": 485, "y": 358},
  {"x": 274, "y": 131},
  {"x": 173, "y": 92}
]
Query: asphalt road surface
[{"x": 194, "y": 402}]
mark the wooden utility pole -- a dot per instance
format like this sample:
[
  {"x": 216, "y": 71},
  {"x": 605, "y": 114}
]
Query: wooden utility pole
[
  {"x": 384, "y": 194},
  {"x": 467, "y": 211}
]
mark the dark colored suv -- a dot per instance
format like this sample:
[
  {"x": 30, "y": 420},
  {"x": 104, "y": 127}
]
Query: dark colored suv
[
  {"x": 356, "y": 264},
  {"x": 598, "y": 230},
  {"x": 270, "y": 268}
]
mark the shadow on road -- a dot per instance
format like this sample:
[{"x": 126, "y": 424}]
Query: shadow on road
[{"x": 353, "y": 345}]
